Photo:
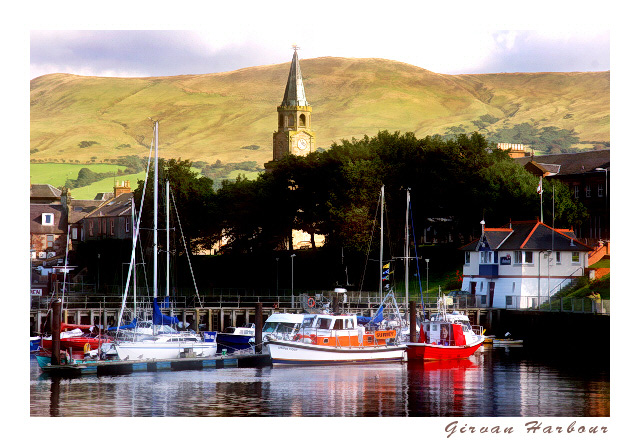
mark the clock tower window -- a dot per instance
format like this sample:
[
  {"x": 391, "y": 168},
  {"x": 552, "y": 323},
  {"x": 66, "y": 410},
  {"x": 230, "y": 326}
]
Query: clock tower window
[{"x": 303, "y": 121}]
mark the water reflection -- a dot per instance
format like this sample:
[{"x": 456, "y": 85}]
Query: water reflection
[{"x": 494, "y": 382}]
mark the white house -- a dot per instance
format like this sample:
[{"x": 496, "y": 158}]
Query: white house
[{"x": 522, "y": 264}]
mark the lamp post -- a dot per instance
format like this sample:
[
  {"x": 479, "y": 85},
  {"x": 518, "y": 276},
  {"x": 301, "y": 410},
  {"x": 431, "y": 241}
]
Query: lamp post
[
  {"x": 606, "y": 190},
  {"x": 427, "y": 281},
  {"x": 292, "y": 256},
  {"x": 277, "y": 277}
]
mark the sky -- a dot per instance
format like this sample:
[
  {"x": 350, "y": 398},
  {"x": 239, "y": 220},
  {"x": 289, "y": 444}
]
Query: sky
[
  {"x": 136, "y": 53},
  {"x": 252, "y": 34}
]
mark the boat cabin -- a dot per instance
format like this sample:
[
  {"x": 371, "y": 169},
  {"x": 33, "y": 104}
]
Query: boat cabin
[
  {"x": 339, "y": 330},
  {"x": 281, "y": 325},
  {"x": 451, "y": 329}
]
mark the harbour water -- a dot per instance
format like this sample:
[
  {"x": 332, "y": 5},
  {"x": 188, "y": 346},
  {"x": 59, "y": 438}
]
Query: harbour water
[{"x": 496, "y": 381}]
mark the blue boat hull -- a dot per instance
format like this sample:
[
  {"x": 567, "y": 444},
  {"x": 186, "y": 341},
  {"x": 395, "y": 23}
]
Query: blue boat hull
[
  {"x": 34, "y": 345},
  {"x": 233, "y": 342}
]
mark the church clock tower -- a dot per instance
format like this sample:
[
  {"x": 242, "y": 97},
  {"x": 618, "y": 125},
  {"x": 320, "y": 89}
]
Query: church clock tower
[{"x": 294, "y": 135}]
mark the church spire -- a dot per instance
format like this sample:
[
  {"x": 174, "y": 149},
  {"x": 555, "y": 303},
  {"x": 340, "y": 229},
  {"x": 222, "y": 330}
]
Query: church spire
[{"x": 294, "y": 92}]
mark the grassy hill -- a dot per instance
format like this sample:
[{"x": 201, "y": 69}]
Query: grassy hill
[{"x": 214, "y": 116}]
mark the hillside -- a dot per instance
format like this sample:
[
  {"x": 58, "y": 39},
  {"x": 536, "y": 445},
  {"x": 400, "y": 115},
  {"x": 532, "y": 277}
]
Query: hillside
[{"x": 224, "y": 116}]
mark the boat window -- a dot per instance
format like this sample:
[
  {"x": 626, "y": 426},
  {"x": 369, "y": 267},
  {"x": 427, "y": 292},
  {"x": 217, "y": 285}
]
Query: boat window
[
  {"x": 434, "y": 327},
  {"x": 348, "y": 323},
  {"x": 307, "y": 322},
  {"x": 338, "y": 324},
  {"x": 230, "y": 329},
  {"x": 324, "y": 323}
]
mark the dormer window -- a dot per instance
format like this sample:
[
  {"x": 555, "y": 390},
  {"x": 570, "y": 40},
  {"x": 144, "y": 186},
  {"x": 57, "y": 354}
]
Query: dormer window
[{"x": 47, "y": 218}]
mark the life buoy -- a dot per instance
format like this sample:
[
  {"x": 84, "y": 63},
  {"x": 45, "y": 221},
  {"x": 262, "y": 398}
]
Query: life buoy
[
  {"x": 311, "y": 302},
  {"x": 87, "y": 347}
]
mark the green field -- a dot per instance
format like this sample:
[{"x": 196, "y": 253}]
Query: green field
[
  {"x": 56, "y": 174},
  {"x": 106, "y": 185}
]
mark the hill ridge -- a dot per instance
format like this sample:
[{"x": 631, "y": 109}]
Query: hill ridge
[{"x": 209, "y": 117}]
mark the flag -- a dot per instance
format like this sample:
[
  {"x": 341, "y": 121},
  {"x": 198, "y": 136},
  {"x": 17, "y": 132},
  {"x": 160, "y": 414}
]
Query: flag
[
  {"x": 386, "y": 266},
  {"x": 539, "y": 190}
]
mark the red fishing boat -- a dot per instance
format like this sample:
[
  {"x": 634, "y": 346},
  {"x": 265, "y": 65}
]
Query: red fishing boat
[
  {"x": 74, "y": 337},
  {"x": 445, "y": 336}
]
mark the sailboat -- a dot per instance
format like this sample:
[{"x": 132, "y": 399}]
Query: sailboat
[
  {"x": 338, "y": 338},
  {"x": 166, "y": 345}
]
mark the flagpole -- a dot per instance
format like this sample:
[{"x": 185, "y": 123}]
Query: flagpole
[{"x": 540, "y": 192}]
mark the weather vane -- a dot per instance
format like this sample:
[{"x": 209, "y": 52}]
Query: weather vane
[{"x": 295, "y": 47}]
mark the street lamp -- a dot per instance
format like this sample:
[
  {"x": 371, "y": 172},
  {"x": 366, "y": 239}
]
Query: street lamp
[
  {"x": 606, "y": 180},
  {"x": 427, "y": 281},
  {"x": 277, "y": 277},
  {"x": 292, "y": 256}
]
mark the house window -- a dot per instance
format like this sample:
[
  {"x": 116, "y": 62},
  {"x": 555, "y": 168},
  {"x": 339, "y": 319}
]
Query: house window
[
  {"x": 104, "y": 226},
  {"x": 467, "y": 257},
  {"x": 47, "y": 218},
  {"x": 74, "y": 233},
  {"x": 126, "y": 225},
  {"x": 50, "y": 240},
  {"x": 558, "y": 257},
  {"x": 576, "y": 191},
  {"x": 523, "y": 257},
  {"x": 600, "y": 190},
  {"x": 587, "y": 191},
  {"x": 90, "y": 228},
  {"x": 513, "y": 286},
  {"x": 112, "y": 226},
  {"x": 509, "y": 300},
  {"x": 575, "y": 257},
  {"x": 481, "y": 286},
  {"x": 486, "y": 257}
]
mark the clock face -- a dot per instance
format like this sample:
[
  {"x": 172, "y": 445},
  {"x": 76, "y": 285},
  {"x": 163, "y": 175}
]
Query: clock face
[{"x": 302, "y": 144}]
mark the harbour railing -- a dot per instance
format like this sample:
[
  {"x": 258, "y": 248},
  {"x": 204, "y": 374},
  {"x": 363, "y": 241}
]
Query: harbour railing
[{"x": 353, "y": 302}]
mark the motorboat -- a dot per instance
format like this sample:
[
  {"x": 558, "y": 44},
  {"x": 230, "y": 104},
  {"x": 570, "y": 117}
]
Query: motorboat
[
  {"x": 445, "y": 336},
  {"x": 331, "y": 339},
  {"x": 236, "y": 339},
  {"x": 281, "y": 326}
]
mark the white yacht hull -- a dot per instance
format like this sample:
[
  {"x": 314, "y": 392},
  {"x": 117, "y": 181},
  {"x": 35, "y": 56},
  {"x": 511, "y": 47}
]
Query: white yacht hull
[
  {"x": 163, "y": 350},
  {"x": 284, "y": 352}
]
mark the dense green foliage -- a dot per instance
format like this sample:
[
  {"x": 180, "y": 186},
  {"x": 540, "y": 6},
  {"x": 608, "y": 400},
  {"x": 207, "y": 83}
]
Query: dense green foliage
[{"x": 336, "y": 192}]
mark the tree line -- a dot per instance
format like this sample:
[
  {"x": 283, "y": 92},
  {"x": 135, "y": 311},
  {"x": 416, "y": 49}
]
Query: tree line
[{"x": 335, "y": 193}]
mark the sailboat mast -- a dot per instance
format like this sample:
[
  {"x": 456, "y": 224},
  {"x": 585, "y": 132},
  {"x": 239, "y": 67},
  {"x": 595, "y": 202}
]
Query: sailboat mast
[
  {"x": 133, "y": 256},
  {"x": 406, "y": 255},
  {"x": 381, "y": 235},
  {"x": 155, "y": 215},
  {"x": 167, "y": 246}
]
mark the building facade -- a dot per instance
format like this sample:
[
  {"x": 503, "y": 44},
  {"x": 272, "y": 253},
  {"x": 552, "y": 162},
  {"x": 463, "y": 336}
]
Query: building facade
[
  {"x": 112, "y": 219},
  {"x": 522, "y": 264},
  {"x": 587, "y": 174}
]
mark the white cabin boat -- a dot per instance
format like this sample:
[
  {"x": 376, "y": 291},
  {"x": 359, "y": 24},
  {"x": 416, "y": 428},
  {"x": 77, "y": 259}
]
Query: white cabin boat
[{"x": 330, "y": 339}]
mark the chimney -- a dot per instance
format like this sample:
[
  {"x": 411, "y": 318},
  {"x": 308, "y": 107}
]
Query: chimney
[{"x": 121, "y": 188}]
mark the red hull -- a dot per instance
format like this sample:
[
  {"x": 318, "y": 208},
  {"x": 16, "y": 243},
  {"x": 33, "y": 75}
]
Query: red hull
[
  {"x": 427, "y": 352},
  {"x": 76, "y": 343}
]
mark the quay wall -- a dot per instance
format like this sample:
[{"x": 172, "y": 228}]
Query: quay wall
[{"x": 570, "y": 330}]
